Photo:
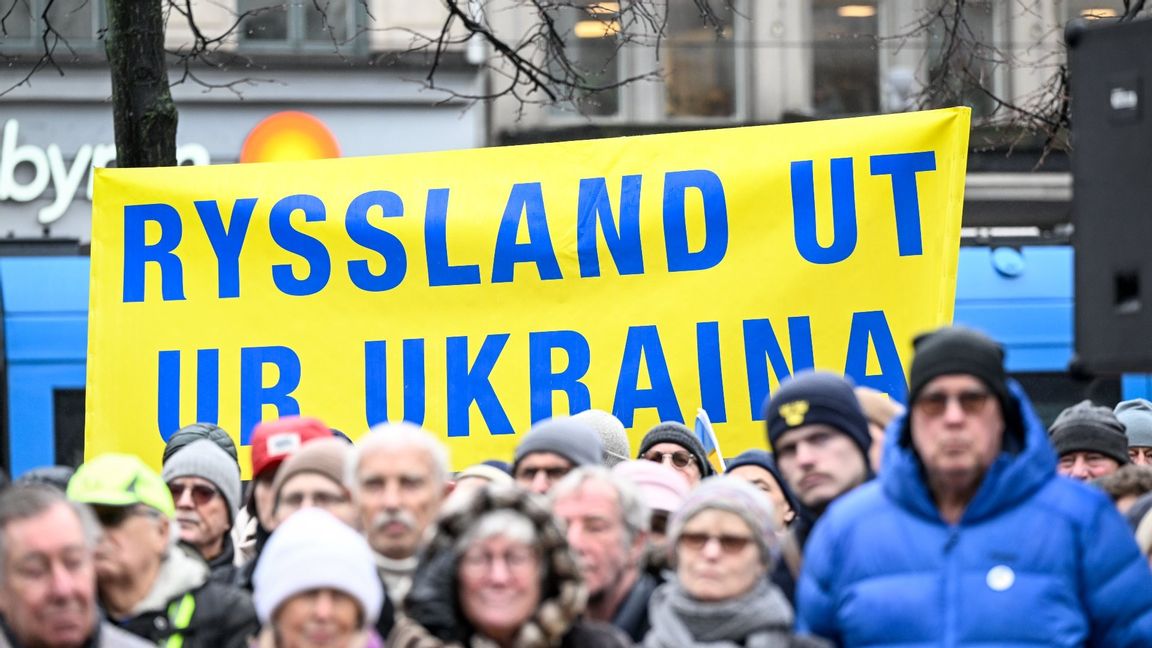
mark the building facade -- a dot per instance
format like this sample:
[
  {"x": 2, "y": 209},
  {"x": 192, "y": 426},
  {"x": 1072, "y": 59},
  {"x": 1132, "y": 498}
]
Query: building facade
[{"x": 359, "y": 69}]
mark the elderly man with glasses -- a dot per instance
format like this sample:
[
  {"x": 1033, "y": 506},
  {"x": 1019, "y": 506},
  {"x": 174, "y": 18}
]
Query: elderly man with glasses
[
  {"x": 205, "y": 485},
  {"x": 673, "y": 444},
  {"x": 968, "y": 536}
]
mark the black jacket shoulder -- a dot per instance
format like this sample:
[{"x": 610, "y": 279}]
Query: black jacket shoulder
[{"x": 223, "y": 617}]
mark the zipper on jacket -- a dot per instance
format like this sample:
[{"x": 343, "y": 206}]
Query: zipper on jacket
[{"x": 951, "y": 585}]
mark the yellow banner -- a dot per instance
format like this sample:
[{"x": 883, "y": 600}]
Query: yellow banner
[{"x": 477, "y": 291}]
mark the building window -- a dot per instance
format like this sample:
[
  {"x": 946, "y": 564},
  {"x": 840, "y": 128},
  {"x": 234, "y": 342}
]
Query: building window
[
  {"x": 78, "y": 23},
  {"x": 297, "y": 24},
  {"x": 845, "y": 59},
  {"x": 699, "y": 62},
  {"x": 590, "y": 56},
  {"x": 974, "y": 73},
  {"x": 1093, "y": 9}
]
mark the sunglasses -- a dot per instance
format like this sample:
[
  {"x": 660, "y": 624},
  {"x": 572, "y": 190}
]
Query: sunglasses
[
  {"x": 201, "y": 493},
  {"x": 936, "y": 403},
  {"x": 319, "y": 499},
  {"x": 680, "y": 459},
  {"x": 553, "y": 474},
  {"x": 729, "y": 544},
  {"x": 114, "y": 516}
]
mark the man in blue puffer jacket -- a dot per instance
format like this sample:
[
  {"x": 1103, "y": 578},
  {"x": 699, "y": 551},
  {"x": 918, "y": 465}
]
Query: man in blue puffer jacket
[{"x": 969, "y": 537}]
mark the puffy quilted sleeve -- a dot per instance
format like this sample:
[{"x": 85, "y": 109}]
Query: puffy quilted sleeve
[
  {"x": 815, "y": 594},
  {"x": 1117, "y": 581}
]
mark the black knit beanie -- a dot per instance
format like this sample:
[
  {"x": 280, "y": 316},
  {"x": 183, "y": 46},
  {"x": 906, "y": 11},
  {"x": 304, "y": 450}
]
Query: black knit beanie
[
  {"x": 959, "y": 350},
  {"x": 1085, "y": 427},
  {"x": 811, "y": 397},
  {"x": 678, "y": 433}
]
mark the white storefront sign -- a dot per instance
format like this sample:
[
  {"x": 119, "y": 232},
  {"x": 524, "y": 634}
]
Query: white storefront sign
[{"x": 48, "y": 166}]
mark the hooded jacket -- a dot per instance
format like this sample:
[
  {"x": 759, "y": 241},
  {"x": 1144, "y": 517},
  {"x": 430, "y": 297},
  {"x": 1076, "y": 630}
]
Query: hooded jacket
[
  {"x": 433, "y": 615},
  {"x": 1035, "y": 559},
  {"x": 183, "y": 601}
]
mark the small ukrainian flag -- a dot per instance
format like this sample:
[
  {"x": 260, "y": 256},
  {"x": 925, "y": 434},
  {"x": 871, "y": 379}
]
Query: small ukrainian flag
[{"x": 707, "y": 437}]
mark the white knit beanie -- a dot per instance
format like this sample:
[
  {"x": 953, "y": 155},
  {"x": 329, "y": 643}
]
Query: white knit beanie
[
  {"x": 312, "y": 550},
  {"x": 612, "y": 435}
]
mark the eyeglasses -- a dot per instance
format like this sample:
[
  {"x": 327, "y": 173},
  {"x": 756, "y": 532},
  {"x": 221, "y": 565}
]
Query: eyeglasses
[
  {"x": 554, "y": 473},
  {"x": 201, "y": 493},
  {"x": 477, "y": 561},
  {"x": 319, "y": 499},
  {"x": 114, "y": 516},
  {"x": 729, "y": 544},
  {"x": 680, "y": 459},
  {"x": 935, "y": 404}
]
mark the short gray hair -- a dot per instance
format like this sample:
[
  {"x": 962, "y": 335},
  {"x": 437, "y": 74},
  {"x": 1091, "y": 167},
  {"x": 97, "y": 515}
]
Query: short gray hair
[
  {"x": 393, "y": 436},
  {"x": 501, "y": 522},
  {"x": 634, "y": 511},
  {"x": 24, "y": 502}
]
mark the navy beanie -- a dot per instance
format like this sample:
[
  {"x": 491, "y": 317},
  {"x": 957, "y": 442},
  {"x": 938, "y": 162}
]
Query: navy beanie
[
  {"x": 678, "y": 433},
  {"x": 817, "y": 397},
  {"x": 767, "y": 461}
]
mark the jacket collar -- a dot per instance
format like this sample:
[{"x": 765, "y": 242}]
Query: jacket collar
[{"x": 1011, "y": 478}]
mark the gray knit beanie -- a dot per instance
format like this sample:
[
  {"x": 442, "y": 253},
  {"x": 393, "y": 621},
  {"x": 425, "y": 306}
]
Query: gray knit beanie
[
  {"x": 1136, "y": 415},
  {"x": 612, "y": 435},
  {"x": 678, "y": 433},
  {"x": 734, "y": 495},
  {"x": 192, "y": 433},
  {"x": 206, "y": 460},
  {"x": 1085, "y": 427},
  {"x": 563, "y": 435}
]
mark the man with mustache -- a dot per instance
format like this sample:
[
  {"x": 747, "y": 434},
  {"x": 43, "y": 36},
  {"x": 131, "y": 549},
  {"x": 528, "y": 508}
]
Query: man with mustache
[
  {"x": 205, "y": 485},
  {"x": 47, "y": 578},
  {"x": 398, "y": 477},
  {"x": 820, "y": 437}
]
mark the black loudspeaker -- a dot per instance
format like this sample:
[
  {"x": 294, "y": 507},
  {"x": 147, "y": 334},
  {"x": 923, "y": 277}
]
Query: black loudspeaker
[{"x": 1110, "y": 72}]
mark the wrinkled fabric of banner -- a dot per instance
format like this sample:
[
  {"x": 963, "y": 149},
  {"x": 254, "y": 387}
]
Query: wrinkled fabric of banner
[{"x": 477, "y": 291}]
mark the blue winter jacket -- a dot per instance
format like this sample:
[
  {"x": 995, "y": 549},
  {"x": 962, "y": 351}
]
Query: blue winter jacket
[{"x": 1036, "y": 560}]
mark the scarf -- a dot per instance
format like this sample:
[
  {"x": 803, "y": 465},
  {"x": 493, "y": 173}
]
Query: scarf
[
  {"x": 396, "y": 574},
  {"x": 760, "y": 618}
]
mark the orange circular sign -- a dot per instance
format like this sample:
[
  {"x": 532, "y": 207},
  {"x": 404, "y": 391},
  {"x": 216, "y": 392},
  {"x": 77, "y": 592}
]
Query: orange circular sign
[{"x": 288, "y": 136}]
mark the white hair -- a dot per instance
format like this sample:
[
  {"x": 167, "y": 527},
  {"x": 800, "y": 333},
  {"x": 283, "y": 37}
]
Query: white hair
[
  {"x": 505, "y": 523},
  {"x": 634, "y": 511},
  {"x": 385, "y": 437}
]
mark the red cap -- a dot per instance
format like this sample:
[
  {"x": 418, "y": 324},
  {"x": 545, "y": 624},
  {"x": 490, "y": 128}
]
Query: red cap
[{"x": 275, "y": 441}]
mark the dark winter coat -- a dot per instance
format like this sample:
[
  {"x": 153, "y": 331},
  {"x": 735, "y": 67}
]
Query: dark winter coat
[{"x": 184, "y": 601}]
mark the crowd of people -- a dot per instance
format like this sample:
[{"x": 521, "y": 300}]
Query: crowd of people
[{"x": 961, "y": 521}]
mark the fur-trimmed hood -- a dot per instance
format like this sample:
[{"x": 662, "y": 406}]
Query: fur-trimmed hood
[{"x": 433, "y": 602}]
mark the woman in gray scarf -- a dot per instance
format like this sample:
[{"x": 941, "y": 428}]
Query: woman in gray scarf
[{"x": 721, "y": 543}]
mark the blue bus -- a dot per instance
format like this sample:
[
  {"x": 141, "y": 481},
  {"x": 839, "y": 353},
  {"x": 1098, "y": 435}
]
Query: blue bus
[{"x": 1021, "y": 296}]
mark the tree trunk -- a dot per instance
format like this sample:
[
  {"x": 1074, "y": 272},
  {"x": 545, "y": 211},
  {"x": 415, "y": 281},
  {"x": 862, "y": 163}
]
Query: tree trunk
[{"x": 143, "y": 113}]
